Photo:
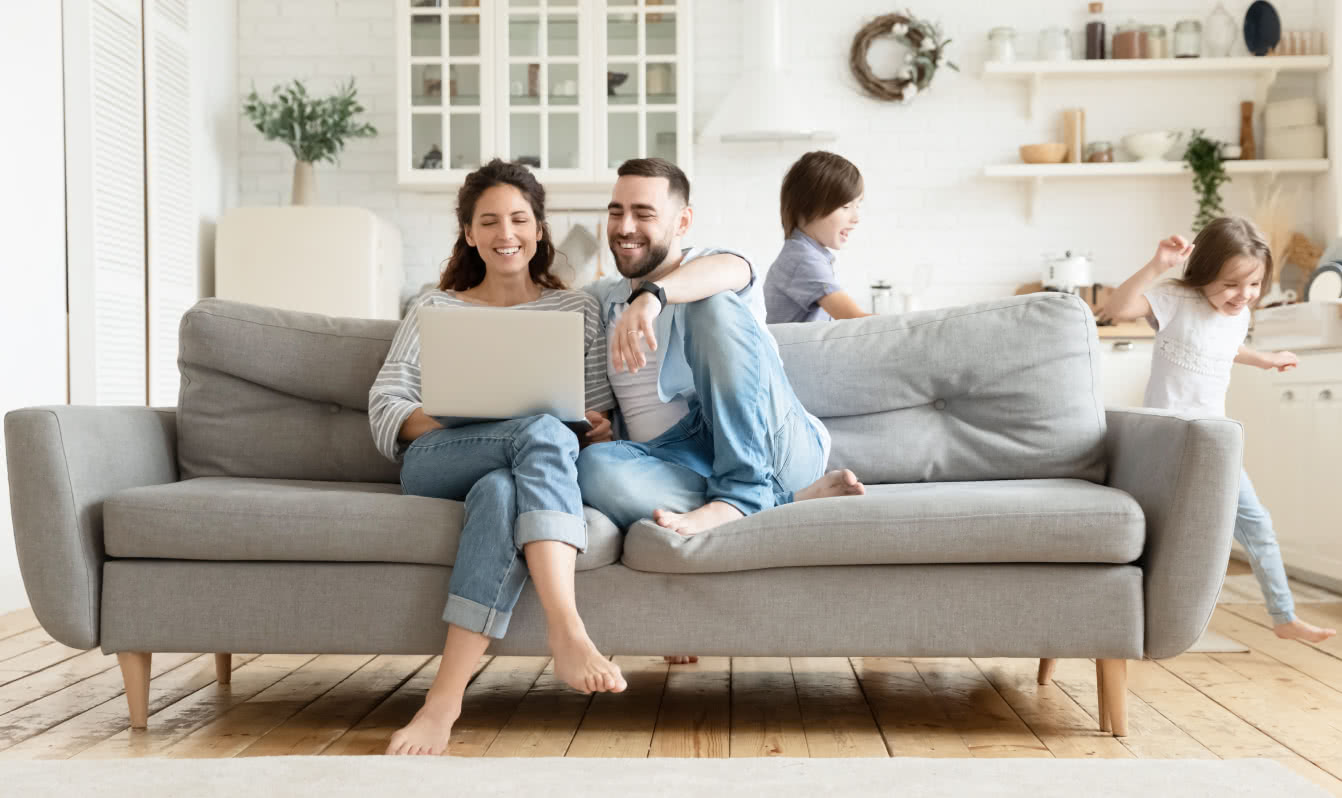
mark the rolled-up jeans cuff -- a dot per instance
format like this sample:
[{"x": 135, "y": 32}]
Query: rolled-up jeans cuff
[
  {"x": 1281, "y": 617},
  {"x": 475, "y": 617},
  {"x": 539, "y": 525}
]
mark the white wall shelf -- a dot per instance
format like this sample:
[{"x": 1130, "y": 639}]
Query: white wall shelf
[
  {"x": 1265, "y": 68},
  {"x": 1036, "y": 174}
]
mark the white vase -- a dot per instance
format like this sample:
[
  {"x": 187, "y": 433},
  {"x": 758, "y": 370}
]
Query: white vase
[
  {"x": 1219, "y": 33},
  {"x": 305, "y": 183}
]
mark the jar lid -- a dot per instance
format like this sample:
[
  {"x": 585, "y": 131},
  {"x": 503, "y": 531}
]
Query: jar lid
[
  {"x": 1187, "y": 25},
  {"x": 1130, "y": 27},
  {"x": 1154, "y": 30},
  {"x": 997, "y": 33},
  {"x": 1099, "y": 146},
  {"x": 1096, "y": 8}
]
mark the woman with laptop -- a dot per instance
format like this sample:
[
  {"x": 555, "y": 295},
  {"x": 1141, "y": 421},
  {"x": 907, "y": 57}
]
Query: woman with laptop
[{"x": 518, "y": 476}]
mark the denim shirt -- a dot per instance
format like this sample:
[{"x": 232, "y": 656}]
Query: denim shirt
[{"x": 674, "y": 380}]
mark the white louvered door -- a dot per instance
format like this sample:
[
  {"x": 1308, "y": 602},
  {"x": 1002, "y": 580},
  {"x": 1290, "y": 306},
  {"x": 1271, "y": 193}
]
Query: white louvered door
[
  {"x": 105, "y": 210},
  {"x": 172, "y": 236}
]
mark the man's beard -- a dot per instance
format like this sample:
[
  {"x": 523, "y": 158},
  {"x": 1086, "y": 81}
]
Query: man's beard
[{"x": 656, "y": 256}]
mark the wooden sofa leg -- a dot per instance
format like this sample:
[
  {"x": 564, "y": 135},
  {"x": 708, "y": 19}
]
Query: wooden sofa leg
[
  {"x": 135, "y": 675},
  {"x": 223, "y": 668},
  {"x": 1046, "y": 667},
  {"x": 1113, "y": 683},
  {"x": 1099, "y": 697}
]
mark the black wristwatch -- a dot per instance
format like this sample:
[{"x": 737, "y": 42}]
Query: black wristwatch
[{"x": 649, "y": 288}]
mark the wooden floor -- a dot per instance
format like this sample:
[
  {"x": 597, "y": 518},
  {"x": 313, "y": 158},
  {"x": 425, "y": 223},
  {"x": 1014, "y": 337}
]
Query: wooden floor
[{"x": 1282, "y": 700}]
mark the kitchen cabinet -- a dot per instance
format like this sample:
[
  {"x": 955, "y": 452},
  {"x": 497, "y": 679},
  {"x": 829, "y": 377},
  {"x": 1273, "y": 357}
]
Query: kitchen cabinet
[
  {"x": 1125, "y": 366},
  {"x": 570, "y": 87},
  {"x": 1293, "y": 453}
]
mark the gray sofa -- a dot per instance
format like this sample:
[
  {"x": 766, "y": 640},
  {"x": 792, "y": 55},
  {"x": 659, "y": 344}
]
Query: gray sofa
[{"x": 1008, "y": 514}]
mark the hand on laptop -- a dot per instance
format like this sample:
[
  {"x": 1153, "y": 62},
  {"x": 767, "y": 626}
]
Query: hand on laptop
[{"x": 600, "y": 431}]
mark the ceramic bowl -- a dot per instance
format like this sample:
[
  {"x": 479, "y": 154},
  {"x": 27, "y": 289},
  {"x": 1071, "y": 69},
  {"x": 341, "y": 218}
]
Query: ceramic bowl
[
  {"x": 1150, "y": 146},
  {"x": 1048, "y": 152}
]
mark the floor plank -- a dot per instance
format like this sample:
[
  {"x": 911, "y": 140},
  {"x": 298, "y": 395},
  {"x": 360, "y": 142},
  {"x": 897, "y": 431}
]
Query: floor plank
[
  {"x": 911, "y": 719},
  {"x": 695, "y": 716},
  {"x": 1151, "y": 735},
  {"x": 40, "y": 659},
  {"x": 834, "y": 712},
  {"x": 325, "y": 720},
  {"x": 175, "y": 722},
  {"x": 32, "y": 686},
  {"x": 22, "y": 643},
  {"x": 36, "y": 717},
  {"x": 1218, "y": 729},
  {"x": 90, "y": 727},
  {"x": 544, "y": 722},
  {"x": 11, "y": 623},
  {"x": 1303, "y": 657},
  {"x": 371, "y": 735},
  {"x": 986, "y": 722},
  {"x": 1050, "y": 713},
  {"x": 1314, "y": 773},
  {"x": 244, "y": 724},
  {"x": 1295, "y": 710},
  {"x": 622, "y": 725},
  {"x": 766, "y": 718}
]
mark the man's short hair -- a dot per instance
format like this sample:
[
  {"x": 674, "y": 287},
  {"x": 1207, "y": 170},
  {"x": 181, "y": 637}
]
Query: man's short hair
[{"x": 658, "y": 167}]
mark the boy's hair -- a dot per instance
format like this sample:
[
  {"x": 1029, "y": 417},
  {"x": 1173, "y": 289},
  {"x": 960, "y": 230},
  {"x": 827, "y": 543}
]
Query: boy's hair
[
  {"x": 817, "y": 184},
  {"x": 1221, "y": 240},
  {"x": 658, "y": 167}
]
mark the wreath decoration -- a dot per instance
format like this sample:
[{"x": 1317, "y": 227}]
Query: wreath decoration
[{"x": 928, "y": 48}]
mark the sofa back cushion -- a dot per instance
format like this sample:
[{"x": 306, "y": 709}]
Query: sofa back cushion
[
  {"x": 998, "y": 390},
  {"x": 278, "y": 394}
]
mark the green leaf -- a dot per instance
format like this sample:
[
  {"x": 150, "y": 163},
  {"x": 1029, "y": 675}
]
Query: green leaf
[{"x": 315, "y": 129}]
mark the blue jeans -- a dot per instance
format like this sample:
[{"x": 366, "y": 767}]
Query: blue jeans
[
  {"x": 746, "y": 440},
  {"x": 520, "y": 484},
  {"x": 1253, "y": 530}
]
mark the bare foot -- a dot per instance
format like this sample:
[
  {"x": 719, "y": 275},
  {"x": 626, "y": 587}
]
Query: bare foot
[
  {"x": 582, "y": 667},
  {"x": 680, "y": 659},
  {"x": 427, "y": 733},
  {"x": 695, "y": 521},
  {"x": 1299, "y": 630},
  {"x": 835, "y": 483}
]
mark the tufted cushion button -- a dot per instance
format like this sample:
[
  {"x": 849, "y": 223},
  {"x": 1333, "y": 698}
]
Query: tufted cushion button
[
  {"x": 333, "y": 409},
  {"x": 939, "y": 404}
]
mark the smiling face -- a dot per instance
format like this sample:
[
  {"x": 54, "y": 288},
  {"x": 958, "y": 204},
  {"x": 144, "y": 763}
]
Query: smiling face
[
  {"x": 833, "y": 229},
  {"x": 1237, "y": 286},
  {"x": 644, "y": 224},
  {"x": 504, "y": 231}
]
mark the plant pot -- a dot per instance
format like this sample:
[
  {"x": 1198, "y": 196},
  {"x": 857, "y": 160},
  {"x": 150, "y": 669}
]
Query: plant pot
[{"x": 305, "y": 183}]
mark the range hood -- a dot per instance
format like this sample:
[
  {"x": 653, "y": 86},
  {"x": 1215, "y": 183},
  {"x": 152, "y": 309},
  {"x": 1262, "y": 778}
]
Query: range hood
[{"x": 765, "y": 102}]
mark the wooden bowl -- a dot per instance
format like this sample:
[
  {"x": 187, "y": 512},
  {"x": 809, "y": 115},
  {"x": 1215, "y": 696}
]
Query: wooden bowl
[{"x": 1048, "y": 152}]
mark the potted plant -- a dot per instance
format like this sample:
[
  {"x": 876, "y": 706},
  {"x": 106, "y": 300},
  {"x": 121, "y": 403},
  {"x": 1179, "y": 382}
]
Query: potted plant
[
  {"x": 315, "y": 128},
  {"x": 1203, "y": 158}
]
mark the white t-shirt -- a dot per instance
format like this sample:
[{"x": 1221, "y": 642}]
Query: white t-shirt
[
  {"x": 645, "y": 415},
  {"x": 1195, "y": 348}
]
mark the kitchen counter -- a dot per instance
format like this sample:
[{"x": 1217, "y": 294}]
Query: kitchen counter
[{"x": 1129, "y": 329}]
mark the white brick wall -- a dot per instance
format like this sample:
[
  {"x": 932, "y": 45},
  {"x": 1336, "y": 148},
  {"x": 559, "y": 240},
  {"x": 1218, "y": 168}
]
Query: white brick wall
[{"x": 927, "y": 205}]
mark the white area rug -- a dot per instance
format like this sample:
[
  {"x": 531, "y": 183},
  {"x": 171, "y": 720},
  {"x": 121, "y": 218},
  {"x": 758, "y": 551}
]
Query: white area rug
[{"x": 342, "y": 777}]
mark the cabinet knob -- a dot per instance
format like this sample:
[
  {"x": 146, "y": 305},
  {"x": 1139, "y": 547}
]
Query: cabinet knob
[
  {"x": 1123, "y": 346},
  {"x": 1326, "y": 394},
  {"x": 1288, "y": 395}
]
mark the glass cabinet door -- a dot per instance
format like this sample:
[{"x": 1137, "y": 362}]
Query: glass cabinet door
[
  {"x": 644, "y": 117},
  {"x": 448, "y": 124},
  {"x": 546, "y": 115}
]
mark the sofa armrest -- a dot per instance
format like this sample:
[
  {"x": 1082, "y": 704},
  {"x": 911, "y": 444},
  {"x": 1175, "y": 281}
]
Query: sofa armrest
[
  {"x": 1185, "y": 473},
  {"x": 63, "y": 462}
]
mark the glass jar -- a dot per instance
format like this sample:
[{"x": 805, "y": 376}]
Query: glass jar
[
  {"x": 1221, "y": 32},
  {"x": 1130, "y": 41},
  {"x": 882, "y": 298},
  {"x": 1055, "y": 44},
  {"x": 1188, "y": 39},
  {"x": 1095, "y": 32},
  {"x": 1157, "y": 42},
  {"x": 1099, "y": 152},
  {"x": 1002, "y": 45}
]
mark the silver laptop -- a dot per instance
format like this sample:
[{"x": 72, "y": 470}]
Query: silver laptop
[{"x": 479, "y": 364}]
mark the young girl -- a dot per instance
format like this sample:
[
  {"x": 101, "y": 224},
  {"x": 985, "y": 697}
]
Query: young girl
[
  {"x": 1201, "y": 321},
  {"x": 821, "y": 195}
]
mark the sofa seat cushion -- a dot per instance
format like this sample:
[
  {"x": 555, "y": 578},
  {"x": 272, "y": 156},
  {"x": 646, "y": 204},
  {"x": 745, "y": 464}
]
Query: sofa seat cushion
[
  {"x": 1017, "y": 521},
  {"x": 233, "y": 518}
]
